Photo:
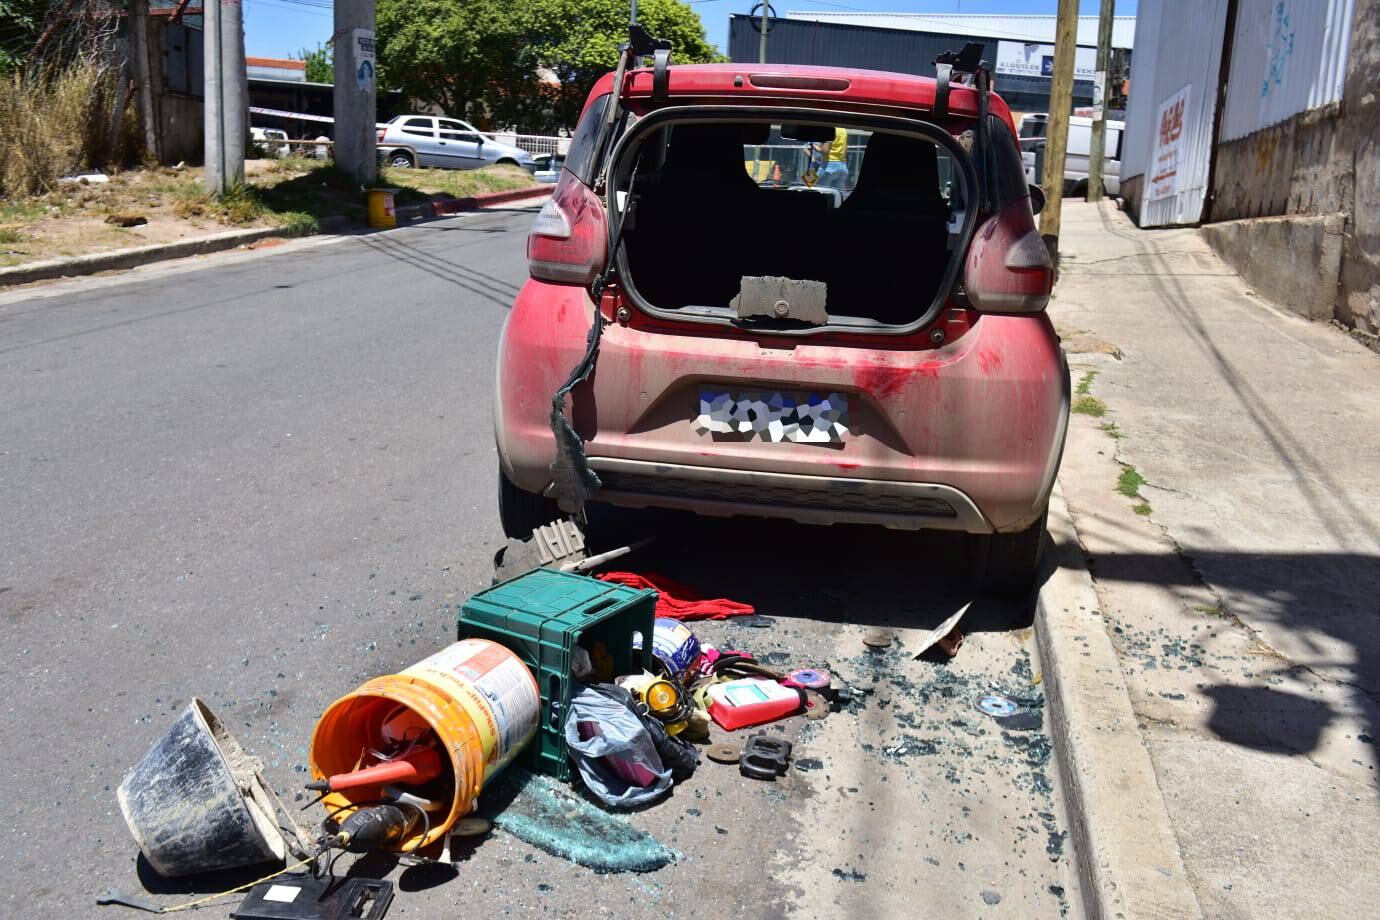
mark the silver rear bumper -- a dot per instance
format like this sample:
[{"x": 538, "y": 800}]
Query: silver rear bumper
[{"x": 805, "y": 499}]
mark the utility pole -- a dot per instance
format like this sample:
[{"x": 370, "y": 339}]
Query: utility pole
[
  {"x": 1057, "y": 128},
  {"x": 212, "y": 106},
  {"x": 234, "y": 91},
  {"x": 226, "y": 91},
  {"x": 1098, "y": 147},
  {"x": 762, "y": 38},
  {"x": 356, "y": 144}
]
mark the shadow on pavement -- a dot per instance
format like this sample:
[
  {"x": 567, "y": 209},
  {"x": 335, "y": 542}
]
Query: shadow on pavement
[
  {"x": 1266, "y": 719},
  {"x": 838, "y": 574}
]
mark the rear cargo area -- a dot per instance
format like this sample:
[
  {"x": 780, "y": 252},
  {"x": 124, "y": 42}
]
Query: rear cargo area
[{"x": 871, "y": 234}]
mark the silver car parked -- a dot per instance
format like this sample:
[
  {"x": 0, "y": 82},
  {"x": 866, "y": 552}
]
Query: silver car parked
[{"x": 444, "y": 143}]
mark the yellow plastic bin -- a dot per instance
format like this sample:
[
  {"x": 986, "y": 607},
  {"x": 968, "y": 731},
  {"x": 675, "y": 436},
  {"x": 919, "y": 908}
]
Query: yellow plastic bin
[{"x": 381, "y": 213}]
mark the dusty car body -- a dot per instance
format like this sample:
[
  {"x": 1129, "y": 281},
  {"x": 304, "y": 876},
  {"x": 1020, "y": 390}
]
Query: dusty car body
[{"x": 911, "y": 379}]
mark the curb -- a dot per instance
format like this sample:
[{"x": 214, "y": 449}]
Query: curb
[
  {"x": 132, "y": 258},
  {"x": 76, "y": 266},
  {"x": 447, "y": 206},
  {"x": 1125, "y": 850}
]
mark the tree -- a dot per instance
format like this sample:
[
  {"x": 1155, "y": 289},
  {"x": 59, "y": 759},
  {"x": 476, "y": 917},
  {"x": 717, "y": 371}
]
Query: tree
[
  {"x": 20, "y": 24},
  {"x": 484, "y": 59},
  {"x": 319, "y": 66},
  {"x": 578, "y": 41},
  {"x": 457, "y": 55}
]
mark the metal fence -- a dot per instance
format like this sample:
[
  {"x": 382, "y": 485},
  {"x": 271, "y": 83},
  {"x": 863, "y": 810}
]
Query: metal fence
[{"x": 536, "y": 144}]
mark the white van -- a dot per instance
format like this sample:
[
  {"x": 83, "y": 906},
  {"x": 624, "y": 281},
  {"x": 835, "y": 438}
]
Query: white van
[{"x": 1032, "y": 135}]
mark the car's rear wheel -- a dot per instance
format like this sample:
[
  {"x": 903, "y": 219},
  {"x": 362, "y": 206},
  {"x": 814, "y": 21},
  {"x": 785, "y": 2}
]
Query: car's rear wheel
[
  {"x": 401, "y": 160},
  {"x": 507, "y": 161},
  {"x": 1008, "y": 564},
  {"x": 522, "y": 512}
]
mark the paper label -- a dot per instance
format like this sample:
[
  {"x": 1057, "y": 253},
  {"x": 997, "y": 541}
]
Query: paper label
[{"x": 283, "y": 894}]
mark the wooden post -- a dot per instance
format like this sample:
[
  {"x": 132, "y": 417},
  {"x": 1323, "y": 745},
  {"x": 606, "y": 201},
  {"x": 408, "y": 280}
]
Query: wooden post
[
  {"x": 143, "y": 80},
  {"x": 1057, "y": 129},
  {"x": 1097, "y": 148}
]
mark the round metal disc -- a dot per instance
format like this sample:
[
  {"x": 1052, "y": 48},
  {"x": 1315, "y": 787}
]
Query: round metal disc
[
  {"x": 472, "y": 827},
  {"x": 723, "y": 753},
  {"x": 877, "y": 638},
  {"x": 819, "y": 706},
  {"x": 994, "y": 705}
]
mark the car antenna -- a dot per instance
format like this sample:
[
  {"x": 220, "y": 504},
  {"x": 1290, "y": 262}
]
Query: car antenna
[{"x": 971, "y": 69}]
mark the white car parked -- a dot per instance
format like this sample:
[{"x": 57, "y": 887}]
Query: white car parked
[
  {"x": 444, "y": 143},
  {"x": 1032, "y": 136}
]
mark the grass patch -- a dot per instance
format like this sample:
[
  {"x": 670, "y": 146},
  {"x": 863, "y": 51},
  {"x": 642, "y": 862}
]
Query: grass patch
[
  {"x": 1129, "y": 482},
  {"x": 1212, "y": 610},
  {"x": 10, "y": 236},
  {"x": 1090, "y": 405},
  {"x": 1143, "y": 508},
  {"x": 1085, "y": 385},
  {"x": 1112, "y": 431},
  {"x": 458, "y": 183}
]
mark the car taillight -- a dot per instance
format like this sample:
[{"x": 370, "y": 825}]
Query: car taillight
[
  {"x": 380, "y": 134},
  {"x": 1008, "y": 268},
  {"x": 569, "y": 240}
]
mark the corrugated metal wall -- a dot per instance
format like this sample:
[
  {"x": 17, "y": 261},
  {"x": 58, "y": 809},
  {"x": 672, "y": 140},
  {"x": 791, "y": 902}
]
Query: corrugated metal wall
[
  {"x": 1287, "y": 56},
  {"x": 1138, "y": 137},
  {"x": 1187, "y": 53},
  {"x": 801, "y": 41},
  {"x": 795, "y": 41}
]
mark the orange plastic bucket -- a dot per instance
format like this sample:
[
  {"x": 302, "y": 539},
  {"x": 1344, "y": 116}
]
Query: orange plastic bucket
[{"x": 480, "y": 700}]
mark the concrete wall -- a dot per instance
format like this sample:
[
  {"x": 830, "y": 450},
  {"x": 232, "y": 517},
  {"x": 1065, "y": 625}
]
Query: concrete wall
[
  {"x": 1304, "y": 259},
  {"x": 1359, "y": 303},
  {"x": 1302, "y": 198},
  {"x": 1295, "y": 167}
]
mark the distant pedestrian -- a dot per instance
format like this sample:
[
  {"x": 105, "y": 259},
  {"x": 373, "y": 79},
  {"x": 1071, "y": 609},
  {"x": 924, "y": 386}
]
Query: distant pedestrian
[{"x": 834, "y": 172}]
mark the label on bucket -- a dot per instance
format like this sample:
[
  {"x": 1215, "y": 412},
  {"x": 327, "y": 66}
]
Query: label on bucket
[{"x": 494, "y": 687}]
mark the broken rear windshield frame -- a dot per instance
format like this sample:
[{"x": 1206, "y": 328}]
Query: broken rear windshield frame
[{"x": 621, "y": 161}]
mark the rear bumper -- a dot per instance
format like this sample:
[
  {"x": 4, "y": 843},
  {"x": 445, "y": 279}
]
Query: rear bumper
[
  {"x": 965, "y": 437},
  {"x": 804, "y": 499}
]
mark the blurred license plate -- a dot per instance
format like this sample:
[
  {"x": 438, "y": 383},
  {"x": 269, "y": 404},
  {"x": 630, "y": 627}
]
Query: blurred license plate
[{"x": 766, "y": 415}]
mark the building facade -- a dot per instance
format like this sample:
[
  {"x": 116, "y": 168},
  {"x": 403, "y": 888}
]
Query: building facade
[
  {"x": 1021, "y": 48},
  {"x": 1260, "y": 119}
]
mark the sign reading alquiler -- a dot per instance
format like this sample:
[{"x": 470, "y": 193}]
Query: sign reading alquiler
[
  {"x": 1167, "y": 163},
  {"x": 1019, "y": 59}
]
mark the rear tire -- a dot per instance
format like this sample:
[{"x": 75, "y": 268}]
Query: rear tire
[
  {"x": 522, "y": 512},
  {"x": 1008, "y": 564},
  {"x": 507, "y": 161},
  {"x": 401, "y": 160}
]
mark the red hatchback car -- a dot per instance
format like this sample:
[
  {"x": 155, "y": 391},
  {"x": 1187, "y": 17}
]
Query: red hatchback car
[{"x": 795, "y": 292}]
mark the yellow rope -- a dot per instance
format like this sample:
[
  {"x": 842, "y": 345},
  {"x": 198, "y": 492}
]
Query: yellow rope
[{"x": 199, "y": 901}]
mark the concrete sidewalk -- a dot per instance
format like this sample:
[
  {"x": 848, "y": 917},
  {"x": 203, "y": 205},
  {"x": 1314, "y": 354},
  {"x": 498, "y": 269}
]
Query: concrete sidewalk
[{"x": 1240, "y": 580}]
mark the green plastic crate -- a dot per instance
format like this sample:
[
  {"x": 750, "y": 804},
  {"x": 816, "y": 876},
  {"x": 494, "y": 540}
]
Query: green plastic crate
[{"x": 541, "y": 617}]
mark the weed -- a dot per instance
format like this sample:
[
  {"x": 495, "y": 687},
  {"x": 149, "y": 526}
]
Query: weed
[
  {"x": 298, "y": 223},
  {"x": 1212, "y": 610},
  {"x": 1090, "y": 405},
  {"x": 1112, "y": 431},
  {"x": 1085, "y": 385},
  {"x": 57, "y": 120},
  {"x": 1142, "y": 508},
  {"x": 10, "y": 236},
  {"x": 1130, "y": 481}
]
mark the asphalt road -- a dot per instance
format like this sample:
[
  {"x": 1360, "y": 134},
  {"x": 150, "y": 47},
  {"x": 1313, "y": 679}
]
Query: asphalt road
[{"x": 263, "y": 478}]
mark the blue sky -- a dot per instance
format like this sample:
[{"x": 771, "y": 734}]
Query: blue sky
[{"x": 281, "y": 28}]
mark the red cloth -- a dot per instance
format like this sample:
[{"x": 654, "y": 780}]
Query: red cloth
[{"x": 676, "y": 601}]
